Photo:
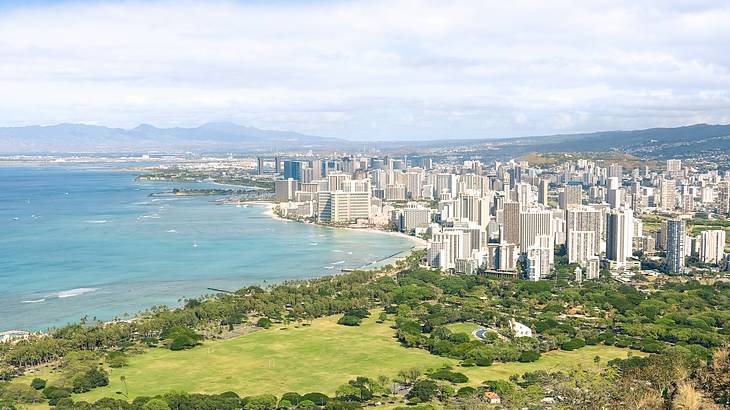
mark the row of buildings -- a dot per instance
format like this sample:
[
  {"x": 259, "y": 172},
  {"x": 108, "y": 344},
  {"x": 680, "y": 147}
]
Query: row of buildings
[{"x": 511, "y": 218}]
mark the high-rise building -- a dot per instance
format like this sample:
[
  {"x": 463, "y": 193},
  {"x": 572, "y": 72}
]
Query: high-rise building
[
  {"x": 293, "y": 169},
  {"x": 584, "y": 219},
  {"x": 615, "y": 171},
  {"x": 723, "y": 197},
  {"x": 335, "y": 180},
  {"x": 581, "y": 245},
  {"x": 511, "y": 217},
  {"x": 284, "y": 189},
  {"x": 674, "y": 165},
  {"x": 445, "y": 247},
  {"x": 414, "y": 216},
  {"x": 570, "y": 195},
  {"x": 394, "y": 192},
  {"x": 542, "y": 192},
  {"x": 277, "y": 165},
  {"x": 668, "y": 190},
  {"x": 619, "y": 235},
  {"x": 317, "y": 168},
  {"x": 415, "y": 184},
  {"x": 676, "y": 242},
  {"x": 712, "y": 246},
  {"x": 260, "y": 166},
  {"x": 341, "y": 206},
  {"x": 534, "y": 223}
]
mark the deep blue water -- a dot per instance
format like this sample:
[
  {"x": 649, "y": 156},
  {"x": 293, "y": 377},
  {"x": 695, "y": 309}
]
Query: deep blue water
[{"x": 90, "y": 241}]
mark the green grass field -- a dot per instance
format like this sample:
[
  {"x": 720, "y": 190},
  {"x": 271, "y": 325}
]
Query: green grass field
[
  {"x": 319, "y": 357},
  {"x": 466, "y": 327}
]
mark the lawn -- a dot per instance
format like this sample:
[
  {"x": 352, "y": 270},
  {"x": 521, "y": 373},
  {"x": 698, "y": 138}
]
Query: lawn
[
  {"x": 319, "y": 357},
  {"x": 465, "y": 327}
]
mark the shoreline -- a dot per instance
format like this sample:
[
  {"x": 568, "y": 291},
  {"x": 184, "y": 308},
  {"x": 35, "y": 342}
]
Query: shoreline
[{"x": 270, "y": 212}]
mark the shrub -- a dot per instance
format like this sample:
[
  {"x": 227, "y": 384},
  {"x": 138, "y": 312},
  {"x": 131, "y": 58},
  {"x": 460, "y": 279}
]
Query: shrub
[
  {"x": 448, "y": 375},
  {"x": 423, "y": 391},
  {"x": 361, "y": 313},
  {"x": 459, "y": 338},
  {"x": 90, "y": 380},
  {"x": 318, "y": 399},
  {"x": 529, "y": 356},
  {"x": 38, "y": 384},
  {"x": 573, "y": 344},
  {"x": 54, "y": 394},
  {"x": 348, "y": 320},
  {"x": 292, "y": 397},
  {"x": 156, "y": 404},
  {"x": 182, "y": 342},
  {"x": 484, "y": 361},
  {"x": 260, "y": 402},
  {"x": 466, "y": 391},
  {"x": 264, "y": 322}
]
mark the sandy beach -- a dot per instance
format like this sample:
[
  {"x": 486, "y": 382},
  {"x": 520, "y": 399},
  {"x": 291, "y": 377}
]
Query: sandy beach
[{"x": 270, "y": 212}]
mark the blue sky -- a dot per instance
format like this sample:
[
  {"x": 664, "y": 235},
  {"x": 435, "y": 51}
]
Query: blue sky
[{"x": 368, "y": 70}]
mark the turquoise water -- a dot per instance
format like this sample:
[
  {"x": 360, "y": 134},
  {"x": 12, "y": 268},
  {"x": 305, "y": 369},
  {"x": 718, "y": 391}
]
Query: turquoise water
[{"x": 90, "y": 241}]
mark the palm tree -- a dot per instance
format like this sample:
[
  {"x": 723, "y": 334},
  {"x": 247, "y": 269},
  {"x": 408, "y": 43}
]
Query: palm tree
[{"x": 123, "y": 379}]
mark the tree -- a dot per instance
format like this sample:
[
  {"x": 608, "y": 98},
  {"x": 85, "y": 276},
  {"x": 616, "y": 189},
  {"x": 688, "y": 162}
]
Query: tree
[
  {"x": 54, "y": 394},
  {"x": 423, "y": 390},
  {"x": 349, "y": 320},
  {"x": 156, "y": 404},
  {"x": 123, "y": 379},
  {"x": 38, "y": 384},
  {"x": 264, "y": 322}
]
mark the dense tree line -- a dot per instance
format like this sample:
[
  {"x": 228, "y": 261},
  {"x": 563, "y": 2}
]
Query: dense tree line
[{"x": 673, "y": 320}]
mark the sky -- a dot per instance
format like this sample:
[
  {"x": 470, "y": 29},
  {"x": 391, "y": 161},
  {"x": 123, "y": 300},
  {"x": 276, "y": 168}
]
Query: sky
[{"x": 368, "y": 70}]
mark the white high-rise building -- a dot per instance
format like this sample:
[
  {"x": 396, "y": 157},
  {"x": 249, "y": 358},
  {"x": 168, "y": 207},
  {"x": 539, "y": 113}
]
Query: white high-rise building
[
  {"x": 712, "y": 246},
  {"x": 584, "y": 219},
  {"x": 619, "y": 235},
  {"x": 581, "y": 246},
  {"x": 415, "y": 183},
  {"x": 335, "y": 180},
  {"x": 668, "y": 193},
  {"x": 674, "y": 165},
  {"x": 341, "y": 206},
  {"x": 534, "y": 223},
  {"x": 445, "y": 248}
]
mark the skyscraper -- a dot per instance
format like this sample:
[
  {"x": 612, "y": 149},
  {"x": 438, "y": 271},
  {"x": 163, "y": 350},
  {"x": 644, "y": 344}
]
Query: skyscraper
[
  {"x": 511, "y": 215},
  {"x": 619, "y": 235},
  {"x": 571, "y": 195},
  {"x": 293, "y": 169},
  {"x": 674, "y": 165},
  {"x": 668, "y": 190},
  {"x": 534, "y": 223},
  {"x": 615, "y": 171},
  {"x": 584, "y": 219},
  {"x": 712, "y": 246},
  {"x": 675, "y": 245},
  {"x": 542, "y": 192}
]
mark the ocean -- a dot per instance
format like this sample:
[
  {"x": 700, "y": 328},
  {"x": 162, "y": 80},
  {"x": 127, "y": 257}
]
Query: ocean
[{"x": 90, "y": 241}]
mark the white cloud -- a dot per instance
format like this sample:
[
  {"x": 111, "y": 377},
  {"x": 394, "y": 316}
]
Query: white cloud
[{"x": 414, "y": 68}]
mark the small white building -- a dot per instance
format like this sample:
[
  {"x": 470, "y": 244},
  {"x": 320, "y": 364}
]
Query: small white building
[{"x": 519, "y": 329}]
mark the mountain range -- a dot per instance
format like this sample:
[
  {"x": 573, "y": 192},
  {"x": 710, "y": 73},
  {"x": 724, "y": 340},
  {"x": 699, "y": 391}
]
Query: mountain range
[{"x": 229, "y": 137}]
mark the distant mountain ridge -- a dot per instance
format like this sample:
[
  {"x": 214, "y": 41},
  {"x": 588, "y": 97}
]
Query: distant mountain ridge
[
  {"x": 230, "y": 137},
  {"x": 219, "y": 136}
]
